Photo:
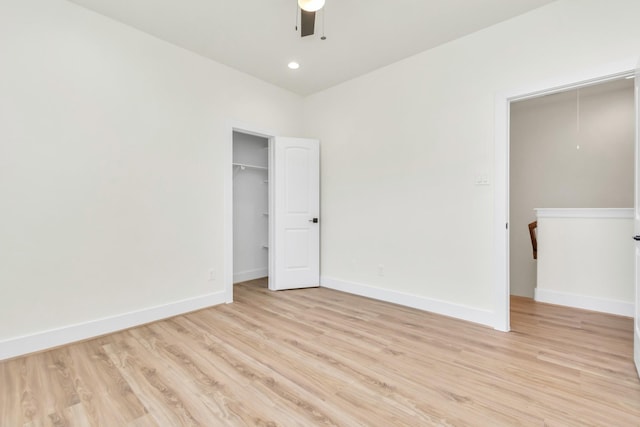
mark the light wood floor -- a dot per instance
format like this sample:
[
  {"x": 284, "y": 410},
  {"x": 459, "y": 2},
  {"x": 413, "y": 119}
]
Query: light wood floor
[{"x": 321, "y": 357}]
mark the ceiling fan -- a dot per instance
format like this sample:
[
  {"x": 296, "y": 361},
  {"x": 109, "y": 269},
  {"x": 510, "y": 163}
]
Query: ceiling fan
[{"x": 308, "y": 9}]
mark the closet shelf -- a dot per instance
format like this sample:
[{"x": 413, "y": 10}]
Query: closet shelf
[{"x": 243, "y": 166}]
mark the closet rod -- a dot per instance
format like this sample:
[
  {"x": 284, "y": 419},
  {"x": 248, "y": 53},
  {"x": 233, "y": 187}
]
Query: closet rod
[{"x": 243, "y": 166}]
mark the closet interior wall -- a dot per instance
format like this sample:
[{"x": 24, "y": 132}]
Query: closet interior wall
[{"x": 250, "y": 207}]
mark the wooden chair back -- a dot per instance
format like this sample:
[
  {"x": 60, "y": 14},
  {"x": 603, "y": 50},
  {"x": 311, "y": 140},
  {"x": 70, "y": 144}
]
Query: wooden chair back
[{"x": 534, "y": 241}]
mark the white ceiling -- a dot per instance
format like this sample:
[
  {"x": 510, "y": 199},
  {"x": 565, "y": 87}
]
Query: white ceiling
[{"x": 258, "y": 36}]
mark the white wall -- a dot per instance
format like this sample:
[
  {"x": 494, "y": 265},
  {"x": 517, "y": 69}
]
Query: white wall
[
  {"x": 402, "y": 146},
  {"x": 586, "y": 259},
  {"x": 113, "y": 147},
  {"x": 250, "y": 204},
  {"x": 548, "y": 170}
]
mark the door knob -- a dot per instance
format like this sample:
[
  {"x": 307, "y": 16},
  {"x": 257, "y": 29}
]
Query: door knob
[
  {"x": 315, "y": 221},
  {"x": 636, "y": 237}
]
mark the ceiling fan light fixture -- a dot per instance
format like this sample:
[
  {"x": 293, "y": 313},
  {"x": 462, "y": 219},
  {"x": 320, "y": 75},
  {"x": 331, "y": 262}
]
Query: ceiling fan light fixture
[{"x": 311, "y": 5}]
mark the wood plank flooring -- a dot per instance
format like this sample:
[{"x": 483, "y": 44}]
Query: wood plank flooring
[{"x": 321, "y": 357}]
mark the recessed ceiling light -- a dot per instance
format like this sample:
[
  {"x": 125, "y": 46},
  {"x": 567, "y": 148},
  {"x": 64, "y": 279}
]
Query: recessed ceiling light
[{"x": 293, "y": 65}]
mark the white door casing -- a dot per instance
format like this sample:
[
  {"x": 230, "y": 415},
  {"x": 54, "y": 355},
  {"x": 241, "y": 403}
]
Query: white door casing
[
  {"x": 636, "y": 227},
  {"x": 295, "y": 237}
]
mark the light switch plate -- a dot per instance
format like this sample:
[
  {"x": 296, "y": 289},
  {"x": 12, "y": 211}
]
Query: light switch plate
[{"x": 482, "y": 179}]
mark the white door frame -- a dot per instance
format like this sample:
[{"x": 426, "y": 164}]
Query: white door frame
[
  {"x": 234, "y": 126},
  {"x": 589, "y": 77}
]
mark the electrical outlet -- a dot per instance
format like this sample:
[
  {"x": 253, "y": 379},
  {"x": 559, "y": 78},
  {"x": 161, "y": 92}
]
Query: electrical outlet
[
  {"x": 381, "y": 270},
  {"x": 212, "y": 274}
]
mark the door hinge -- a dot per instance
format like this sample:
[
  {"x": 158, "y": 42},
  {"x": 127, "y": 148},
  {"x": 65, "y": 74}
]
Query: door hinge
[{"x": 507, "y": 225}]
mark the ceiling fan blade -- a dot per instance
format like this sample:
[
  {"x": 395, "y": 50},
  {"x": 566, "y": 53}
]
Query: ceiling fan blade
[{"x": 307, "y": 23}]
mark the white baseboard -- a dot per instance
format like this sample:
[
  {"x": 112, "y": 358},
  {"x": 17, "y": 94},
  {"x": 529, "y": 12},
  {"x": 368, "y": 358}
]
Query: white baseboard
[
  {"x": 636, "y": 348},
  {"x": 243, "y": 276},
  {"x": 19, "y": 346},
  {"x": 459, "y": 311},
  {"x": 621, "y": 308}
]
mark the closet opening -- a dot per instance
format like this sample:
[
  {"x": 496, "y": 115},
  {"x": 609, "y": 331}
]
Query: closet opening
[{"x": 250, "y": 189}]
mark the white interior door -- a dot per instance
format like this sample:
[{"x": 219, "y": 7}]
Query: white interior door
[
  {"x": 295, "y": 237},
  {"x": 636, "y": 322}
]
